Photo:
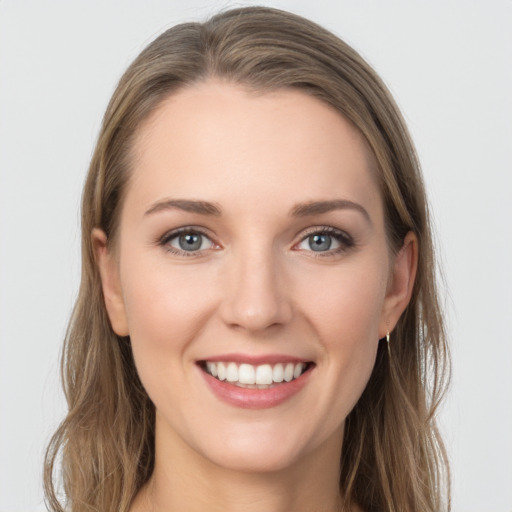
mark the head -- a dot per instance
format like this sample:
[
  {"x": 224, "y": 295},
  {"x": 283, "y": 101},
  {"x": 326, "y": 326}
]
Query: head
[{"x": 390, "y": 433}]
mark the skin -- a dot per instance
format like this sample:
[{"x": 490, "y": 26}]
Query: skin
[{"x": 255, "y": 287}]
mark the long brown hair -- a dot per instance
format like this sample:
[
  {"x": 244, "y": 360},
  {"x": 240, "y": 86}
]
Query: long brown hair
[{"x": 393, "y": 458}]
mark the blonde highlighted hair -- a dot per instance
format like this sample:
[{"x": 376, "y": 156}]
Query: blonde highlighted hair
[{"x": 393, "y": 458}]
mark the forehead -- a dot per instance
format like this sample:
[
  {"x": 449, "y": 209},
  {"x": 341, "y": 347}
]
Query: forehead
[{"x": 222, "y": 142}]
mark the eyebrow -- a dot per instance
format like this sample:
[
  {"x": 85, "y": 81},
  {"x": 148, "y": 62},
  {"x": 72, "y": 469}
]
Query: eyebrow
[
  {"x": 299, "y": 210},
  {"x": 187, "y": 205},
  {"x": 319, "y": 207}
]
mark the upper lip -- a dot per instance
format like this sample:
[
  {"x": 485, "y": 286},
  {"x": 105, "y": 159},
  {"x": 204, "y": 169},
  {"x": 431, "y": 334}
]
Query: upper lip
[{"x": 255, "y": 359}]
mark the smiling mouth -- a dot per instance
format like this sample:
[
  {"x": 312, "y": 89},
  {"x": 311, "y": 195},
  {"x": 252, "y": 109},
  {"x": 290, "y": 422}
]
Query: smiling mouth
[{"x": 263, "y": 376}]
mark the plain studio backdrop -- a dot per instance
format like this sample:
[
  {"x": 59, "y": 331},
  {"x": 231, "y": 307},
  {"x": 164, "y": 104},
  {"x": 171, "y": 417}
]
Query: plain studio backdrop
[{"x": 449, "y": 65}]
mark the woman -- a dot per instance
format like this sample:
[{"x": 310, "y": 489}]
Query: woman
[{"x": 257, "y": 325}]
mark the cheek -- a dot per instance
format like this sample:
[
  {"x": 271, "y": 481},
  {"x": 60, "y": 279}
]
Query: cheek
[
  {"x": 164, "y": 303},
  {"x": 347, "y": 302},
  {"x": 166, "y": 306},
  {"x": 345, "y": 317}
]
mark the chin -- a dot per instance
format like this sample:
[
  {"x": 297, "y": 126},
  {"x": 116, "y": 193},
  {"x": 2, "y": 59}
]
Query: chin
[
  {"x": 265, "y": 448},
  {"x": 251, "y": 457}
]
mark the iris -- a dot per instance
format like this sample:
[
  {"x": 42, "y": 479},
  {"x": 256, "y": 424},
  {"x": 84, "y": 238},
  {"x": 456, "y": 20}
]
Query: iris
[{"x": 320, "y": 242}]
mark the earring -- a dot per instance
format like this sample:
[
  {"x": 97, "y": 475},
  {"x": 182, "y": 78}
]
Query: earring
[{"x": 387, "y": 343}]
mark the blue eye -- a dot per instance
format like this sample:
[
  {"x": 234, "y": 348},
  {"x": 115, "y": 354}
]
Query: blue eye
[
  {"x": 187, "y": 242},
  {"x": 320, "y": 242},
  {"x": 326, "y": 240}
]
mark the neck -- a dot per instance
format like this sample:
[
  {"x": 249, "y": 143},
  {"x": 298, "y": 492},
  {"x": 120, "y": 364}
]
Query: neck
[{"x": 182, "y": 476}]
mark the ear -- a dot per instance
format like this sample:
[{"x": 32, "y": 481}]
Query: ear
[
  {"x": 400, "y": 285},
  {"x": 110, "y": 282}
]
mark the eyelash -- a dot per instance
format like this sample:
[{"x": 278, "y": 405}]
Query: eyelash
[
  {"x": 189, "y": 230},
  {"x": 344, "y": 239}
]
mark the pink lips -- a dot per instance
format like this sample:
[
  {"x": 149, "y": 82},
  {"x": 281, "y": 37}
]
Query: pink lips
[{"x": 247, "y": 398}]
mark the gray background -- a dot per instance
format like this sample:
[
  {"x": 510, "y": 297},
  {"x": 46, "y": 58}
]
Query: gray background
[{"x": 449, "y": 65}]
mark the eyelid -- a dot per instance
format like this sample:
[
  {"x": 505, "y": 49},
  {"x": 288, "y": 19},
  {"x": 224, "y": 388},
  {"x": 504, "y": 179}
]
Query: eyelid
[
  {"x": 345, "y": 240},
  {"x": 173, "y": 233}
]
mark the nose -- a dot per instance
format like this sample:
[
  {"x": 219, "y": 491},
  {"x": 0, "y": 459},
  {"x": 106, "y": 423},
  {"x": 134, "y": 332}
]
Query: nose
[{"x": 256, "y": 297}]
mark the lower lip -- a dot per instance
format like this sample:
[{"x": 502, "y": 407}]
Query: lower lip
[{"x": 247, "y": 398}]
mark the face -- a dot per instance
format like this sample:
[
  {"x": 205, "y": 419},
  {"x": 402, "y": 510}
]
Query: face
[{"x": 252, "y": 274}]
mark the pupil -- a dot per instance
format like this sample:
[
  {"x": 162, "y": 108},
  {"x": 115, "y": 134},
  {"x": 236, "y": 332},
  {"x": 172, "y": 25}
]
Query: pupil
[
  {"x": 190, "y": 242},
  {"x": 320, "y": 242}
]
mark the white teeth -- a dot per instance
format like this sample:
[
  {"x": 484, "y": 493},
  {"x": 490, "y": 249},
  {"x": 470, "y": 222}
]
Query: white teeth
[
  {"x": 221, "y": 371},
  {"x": 277, "y": 373},
  {"x": 246, "y": 374},
  {"x": 232, "y": 372},
  {"x": 288, "y": 372},
  {"x": 212, "y": 369},
  {"x": 262, "y": 376}
]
